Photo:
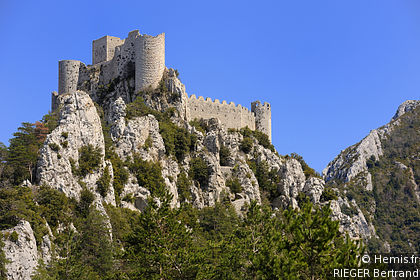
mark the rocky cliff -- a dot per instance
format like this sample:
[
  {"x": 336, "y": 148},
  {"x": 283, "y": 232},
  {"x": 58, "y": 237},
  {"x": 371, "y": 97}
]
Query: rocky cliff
[
  {"x": 377, "y": 178},
  {"x": 111, "y": 147}
]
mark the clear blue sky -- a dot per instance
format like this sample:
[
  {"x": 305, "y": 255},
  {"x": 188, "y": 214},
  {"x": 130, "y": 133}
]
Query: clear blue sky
[{"x": 332, "y": 70}]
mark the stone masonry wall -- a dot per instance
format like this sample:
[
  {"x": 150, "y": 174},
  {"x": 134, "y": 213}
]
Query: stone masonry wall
[
  {"x": 262, "y": 117},
  {"x": 99, "y": 52},
  {"x": 68, "y": 75},
  {"x": 140, "y": 59},
  {"x": 103, "y": 49},
  {"x": 231, "y": 116},
  {"x": 150, "y": 61}
]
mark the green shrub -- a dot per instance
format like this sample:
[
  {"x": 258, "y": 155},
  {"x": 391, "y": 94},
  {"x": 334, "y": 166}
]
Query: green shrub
[
  {"x": 3, "y": 260},
  {"x": 370, "y": 163},
  {"x": 328, "y": 194},
  {"x": 129, "y": 198},
  {"x": 138, "y": 108},
  {"x": 53, "y": 205},
  {"x": 86, "y": 199},
  {"x": 104, "y": 182},
  {"x": 246, "y": 132},
  {"x": 224, "y": 155},
  {"x": 261, "y": 137},
  {"x": 148, "y": 143},
  {"x": 263, "y": 140},
  {"x": 183, "y": 185},
  {"x": 178, "y": 141},
  {"x": 54, "y": 147},
  {"x": 199, "y": 171},
  {"x": 14, "y": 237},
  {"x": 65, "y": 134},
  {"x": 51, "y": 120},
  {"x": 17, "y": 204},
  {"x": 121, "y": 175},
  {"x": 73, "y": 166},
  {"x": 234, "y": 185},
  {"x": 65, "y": 144},
  {"x": 149, "y": 175},
  {"x": 349, "y": 211},
  {"x": 89, "y": 159},
  {"x": 199, "y": 125},
  {"x": 268, "y": 180},
  {"x": 302, "y": 199},
  {"x": 246, "y": 144}
]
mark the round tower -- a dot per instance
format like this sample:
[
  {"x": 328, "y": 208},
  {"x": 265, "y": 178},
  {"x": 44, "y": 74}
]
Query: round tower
[
  {"x": 68, "y": 75},
  {"x": 149, "y": 61},
  {"x": 262, "y": 117}
]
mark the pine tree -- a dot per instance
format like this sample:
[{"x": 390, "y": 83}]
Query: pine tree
[
  {"x": 160, "y": 245},
  {"x": 23, "y": 153}
]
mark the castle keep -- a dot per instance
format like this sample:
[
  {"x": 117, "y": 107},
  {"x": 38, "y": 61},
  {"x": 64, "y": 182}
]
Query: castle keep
[{"x": 143, "y": 57}]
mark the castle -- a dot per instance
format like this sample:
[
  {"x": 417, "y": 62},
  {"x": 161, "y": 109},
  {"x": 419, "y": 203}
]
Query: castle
[{"x": 144, "y": 55}]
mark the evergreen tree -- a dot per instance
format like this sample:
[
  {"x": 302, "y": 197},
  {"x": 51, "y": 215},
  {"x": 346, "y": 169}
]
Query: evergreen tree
[
  {"x": 315, "y": 243},
  {"x": 160, "y": 245},
  {"x": 23, "y": 153}
]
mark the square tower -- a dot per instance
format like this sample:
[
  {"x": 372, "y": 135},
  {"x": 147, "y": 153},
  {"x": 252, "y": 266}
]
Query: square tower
[{"x": 103, "y": 49}]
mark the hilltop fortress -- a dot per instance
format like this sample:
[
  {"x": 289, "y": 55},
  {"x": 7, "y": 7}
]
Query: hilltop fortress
[{"x": 140, "y": 60}]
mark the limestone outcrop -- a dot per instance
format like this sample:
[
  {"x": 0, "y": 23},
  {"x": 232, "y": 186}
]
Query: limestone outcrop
[
  {"x": 352, "y": 161},
  {"x": 350, "y": 172},
  {"x": 79, "y": 126},
  {"x": 405, "y": 107},
  {"x": 355, "y": 224},
  {"x": 21, "y": 251}
]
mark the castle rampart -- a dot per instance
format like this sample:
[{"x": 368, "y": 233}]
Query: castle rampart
[
  {"x": 139, "y": 60},
  {"x": 230, "y": 116}
]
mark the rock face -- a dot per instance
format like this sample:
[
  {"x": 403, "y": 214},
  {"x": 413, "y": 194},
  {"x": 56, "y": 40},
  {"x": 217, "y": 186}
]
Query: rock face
[
  {"x": 405, "y": 107},
  {"x": 313, "y": 188},
  {"x": 79, "y": 125},
  {"x": 354, "y": 224},
  {"x": 140, "y": 136},
  {"x": 353, "y": 160},
  {"x": 354, "y": 171},
  {"x": 22, "y": 252}
]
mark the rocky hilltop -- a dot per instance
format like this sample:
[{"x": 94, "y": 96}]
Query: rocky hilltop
[
  {"x": 112, "y": 169},
  {"x": 111, "y": 150},
  {"x": 379, "y": 178}
]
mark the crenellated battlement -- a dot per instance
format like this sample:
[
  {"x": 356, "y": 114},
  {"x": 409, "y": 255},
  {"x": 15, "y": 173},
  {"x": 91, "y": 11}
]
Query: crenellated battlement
[
  {"x": 140, "y": 60},
  {"x": 229, "y": 114},
  {"x": 208, "y": 100}
]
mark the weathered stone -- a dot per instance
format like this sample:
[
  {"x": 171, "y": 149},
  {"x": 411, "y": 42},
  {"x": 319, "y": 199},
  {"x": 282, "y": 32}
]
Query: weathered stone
[
  {"x": 79, "y": 125},
  {"x": 134, "y": 135},
  {"x": 22, "y": 253},
  {"x": 405, "y": 107},
  {"x": 314, "y": 188}
]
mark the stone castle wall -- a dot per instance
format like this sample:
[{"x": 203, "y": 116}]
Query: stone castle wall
[
  {"x": 262, "y": 117},
  {"x": 103, "y": 49},
  {"x": 230, "y": 116},
  {"x": 150, "y": 61},
  {"x": 68, "y": 75},
  {"x": 139, "y": 60}
]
